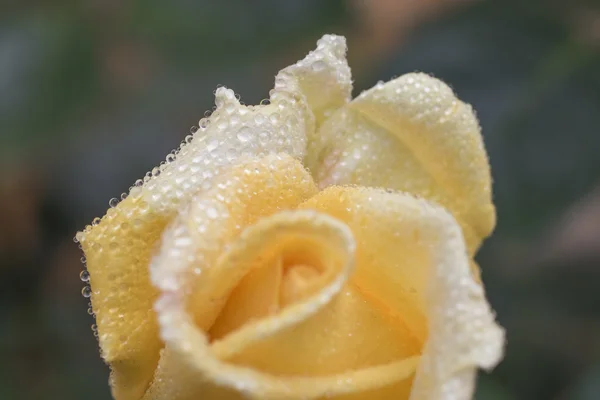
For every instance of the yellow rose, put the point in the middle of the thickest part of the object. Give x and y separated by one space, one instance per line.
231 271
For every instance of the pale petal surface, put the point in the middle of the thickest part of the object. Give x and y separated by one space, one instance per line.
270 356
226 274
223 262
410 134
119 247
411 256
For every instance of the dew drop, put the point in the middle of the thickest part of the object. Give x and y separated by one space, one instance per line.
90 311
204 122
113 202
84 276
319 66
86 292
212 144
212 213
244 135
135 192
265 102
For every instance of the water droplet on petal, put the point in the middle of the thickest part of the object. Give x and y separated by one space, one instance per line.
212 144
204 122
113 202
244 134
84 276
86 292
318 66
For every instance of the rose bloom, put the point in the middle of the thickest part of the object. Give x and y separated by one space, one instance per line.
309 247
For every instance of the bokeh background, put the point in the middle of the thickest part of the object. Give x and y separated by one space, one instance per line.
95 93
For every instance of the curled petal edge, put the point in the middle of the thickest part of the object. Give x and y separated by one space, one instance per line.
192 348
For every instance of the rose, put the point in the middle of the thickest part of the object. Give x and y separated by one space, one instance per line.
232 271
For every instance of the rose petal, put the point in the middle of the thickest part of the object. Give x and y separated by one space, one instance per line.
205 229
346 386
410 134
391 261
323 77
189 365
119 247
344 335
411 253
208 373
118 252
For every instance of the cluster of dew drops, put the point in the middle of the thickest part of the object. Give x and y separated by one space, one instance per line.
84 275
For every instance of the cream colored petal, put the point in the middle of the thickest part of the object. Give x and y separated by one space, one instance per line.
204 247
412 257
118 252
323 77
213 219
191 367
351 333
410 134
313 86
118 248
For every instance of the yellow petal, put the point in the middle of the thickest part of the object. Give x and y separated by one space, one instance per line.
255 296
193 367
391 262
118 249
410 134
118 252
349 333
412 257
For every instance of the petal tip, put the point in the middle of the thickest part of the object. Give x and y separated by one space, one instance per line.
225 96
336 43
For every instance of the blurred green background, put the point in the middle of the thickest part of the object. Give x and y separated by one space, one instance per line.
94 93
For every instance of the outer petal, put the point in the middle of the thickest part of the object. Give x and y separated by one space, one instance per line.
411 134
118 248
412 257
323 77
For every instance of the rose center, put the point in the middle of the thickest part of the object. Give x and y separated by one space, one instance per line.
295 281
287 273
